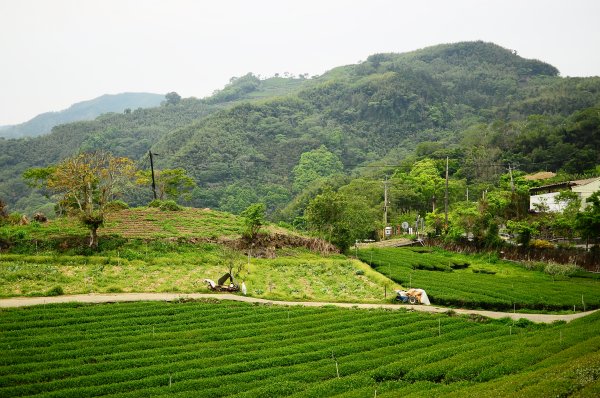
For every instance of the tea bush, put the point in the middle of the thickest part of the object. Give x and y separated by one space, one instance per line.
233 349
494 286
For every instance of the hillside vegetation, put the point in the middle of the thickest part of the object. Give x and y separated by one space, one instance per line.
479 102
198 349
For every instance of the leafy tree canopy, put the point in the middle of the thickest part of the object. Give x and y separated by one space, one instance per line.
314 165
86 184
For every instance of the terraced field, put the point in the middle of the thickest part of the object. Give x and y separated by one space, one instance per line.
177 267
468 282
196 349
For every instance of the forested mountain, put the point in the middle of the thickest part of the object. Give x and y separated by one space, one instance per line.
260 140
85 110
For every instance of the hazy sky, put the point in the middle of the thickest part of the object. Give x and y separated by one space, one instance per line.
54 53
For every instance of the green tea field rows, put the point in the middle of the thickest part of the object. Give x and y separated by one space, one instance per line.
471 282
218 349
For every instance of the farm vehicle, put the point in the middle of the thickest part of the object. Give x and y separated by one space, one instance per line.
222 285
412 296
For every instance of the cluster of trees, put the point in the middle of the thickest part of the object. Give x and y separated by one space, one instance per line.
90 184
345 211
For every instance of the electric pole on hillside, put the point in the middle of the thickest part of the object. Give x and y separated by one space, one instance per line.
512 182
512 188
152 169
385 202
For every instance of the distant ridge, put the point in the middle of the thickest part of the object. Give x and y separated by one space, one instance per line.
85 110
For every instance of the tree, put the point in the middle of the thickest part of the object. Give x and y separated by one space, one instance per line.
172 98
523 229
464 217
340 219
3 213
86 184
171 184
254 218
588 221
564 222
314 165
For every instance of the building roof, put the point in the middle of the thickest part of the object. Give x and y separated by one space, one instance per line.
561 185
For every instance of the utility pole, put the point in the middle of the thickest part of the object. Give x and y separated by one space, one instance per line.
152 169
512 188
385 204
446 196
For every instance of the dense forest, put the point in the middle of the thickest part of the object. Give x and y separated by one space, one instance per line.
285 140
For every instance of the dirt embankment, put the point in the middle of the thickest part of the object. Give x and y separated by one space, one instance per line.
265 245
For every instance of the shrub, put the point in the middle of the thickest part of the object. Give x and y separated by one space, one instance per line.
117 205
40 217
15 218
254 218
561 269
155 203
55 291
541 244
484 271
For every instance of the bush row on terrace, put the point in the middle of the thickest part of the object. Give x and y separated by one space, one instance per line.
485 284
233 349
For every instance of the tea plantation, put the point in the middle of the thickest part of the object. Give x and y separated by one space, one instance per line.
219 349
488 283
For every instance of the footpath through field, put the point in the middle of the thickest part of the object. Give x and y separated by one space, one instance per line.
127 297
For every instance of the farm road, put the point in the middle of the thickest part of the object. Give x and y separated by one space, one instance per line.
128 297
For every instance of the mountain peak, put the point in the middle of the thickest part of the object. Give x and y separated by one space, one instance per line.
84 110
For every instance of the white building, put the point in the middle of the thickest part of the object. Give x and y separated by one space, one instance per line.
544 197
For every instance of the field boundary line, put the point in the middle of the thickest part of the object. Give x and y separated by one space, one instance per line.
99 298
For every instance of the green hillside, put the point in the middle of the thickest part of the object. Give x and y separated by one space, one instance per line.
478 102
85 110
126 134
198 349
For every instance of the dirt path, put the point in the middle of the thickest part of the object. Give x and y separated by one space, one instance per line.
126 297
396 242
